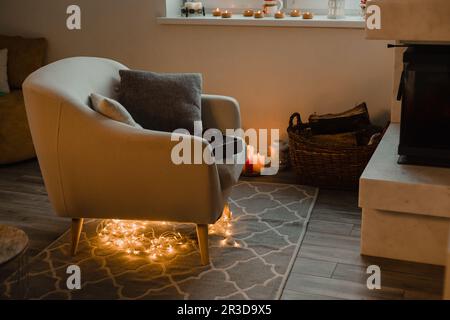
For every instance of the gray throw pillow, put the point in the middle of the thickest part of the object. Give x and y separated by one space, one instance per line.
112 109
162 102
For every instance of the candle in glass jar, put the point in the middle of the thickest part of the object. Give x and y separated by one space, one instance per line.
308 15
249 159
227 14
279 15
256 164
250 151
295 13
248 13
216 12
259 14
262 161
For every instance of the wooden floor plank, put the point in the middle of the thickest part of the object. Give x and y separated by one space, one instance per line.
330 227
337 255
391 279
313 267
339 216
293 295
341 289
331 240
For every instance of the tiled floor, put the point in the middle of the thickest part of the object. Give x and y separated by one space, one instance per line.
328 266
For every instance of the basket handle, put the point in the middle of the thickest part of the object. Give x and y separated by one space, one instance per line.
298 118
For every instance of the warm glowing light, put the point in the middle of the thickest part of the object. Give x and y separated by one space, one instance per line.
255 162
139 238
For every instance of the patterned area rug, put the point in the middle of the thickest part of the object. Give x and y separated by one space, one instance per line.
269 222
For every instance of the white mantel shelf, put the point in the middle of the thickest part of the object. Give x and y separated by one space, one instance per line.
349 22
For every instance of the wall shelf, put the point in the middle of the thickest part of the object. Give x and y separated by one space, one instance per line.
319 21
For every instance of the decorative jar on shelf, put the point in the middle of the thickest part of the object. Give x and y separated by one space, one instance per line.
363 5
271 7
336 9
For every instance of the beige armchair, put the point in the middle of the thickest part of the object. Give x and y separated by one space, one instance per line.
94 167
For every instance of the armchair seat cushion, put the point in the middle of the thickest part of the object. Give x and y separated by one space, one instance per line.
162 102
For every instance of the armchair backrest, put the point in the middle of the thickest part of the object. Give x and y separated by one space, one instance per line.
59 93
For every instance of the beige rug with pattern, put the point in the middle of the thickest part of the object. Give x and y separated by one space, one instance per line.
268 225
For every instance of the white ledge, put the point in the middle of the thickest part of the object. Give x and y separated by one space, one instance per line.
319 21
388 186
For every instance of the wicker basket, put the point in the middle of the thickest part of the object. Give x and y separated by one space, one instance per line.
326 165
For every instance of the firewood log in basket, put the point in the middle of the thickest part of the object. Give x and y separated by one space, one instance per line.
349 121
337 156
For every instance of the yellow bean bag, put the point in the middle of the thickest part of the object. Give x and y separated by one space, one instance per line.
15 138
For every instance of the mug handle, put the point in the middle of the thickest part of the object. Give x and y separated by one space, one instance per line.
281 5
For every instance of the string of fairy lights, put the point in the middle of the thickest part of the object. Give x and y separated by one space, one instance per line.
141 238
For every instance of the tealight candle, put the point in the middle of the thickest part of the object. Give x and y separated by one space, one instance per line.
216 12
227 14
279 15
295 13
248 13
259 14
256 163
308 15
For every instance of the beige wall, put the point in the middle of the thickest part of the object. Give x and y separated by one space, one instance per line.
273 72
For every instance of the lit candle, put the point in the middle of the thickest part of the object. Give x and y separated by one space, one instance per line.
262 161
227 14
308 15
250 150
216 12
279 15
259 14
256 164
248 168
248 13
295 13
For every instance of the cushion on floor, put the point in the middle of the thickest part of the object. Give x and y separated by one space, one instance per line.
24 57
15 138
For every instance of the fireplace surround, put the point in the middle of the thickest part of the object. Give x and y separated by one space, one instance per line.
406 208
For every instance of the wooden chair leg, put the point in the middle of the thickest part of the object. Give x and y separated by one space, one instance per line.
77 225
202 235
227 212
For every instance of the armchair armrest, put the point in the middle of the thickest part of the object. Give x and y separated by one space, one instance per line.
220 112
